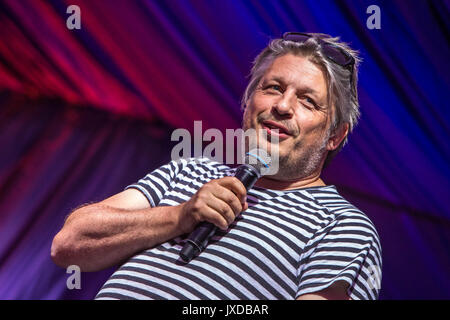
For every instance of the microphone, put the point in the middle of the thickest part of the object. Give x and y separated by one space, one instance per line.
257 163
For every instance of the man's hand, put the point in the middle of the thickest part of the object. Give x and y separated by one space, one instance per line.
218 201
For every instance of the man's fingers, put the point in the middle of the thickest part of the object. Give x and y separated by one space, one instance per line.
213 216
233 184
227 196
224 209
218 201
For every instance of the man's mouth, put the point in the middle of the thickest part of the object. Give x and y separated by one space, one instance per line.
276 129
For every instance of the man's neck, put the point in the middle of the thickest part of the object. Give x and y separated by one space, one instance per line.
268 182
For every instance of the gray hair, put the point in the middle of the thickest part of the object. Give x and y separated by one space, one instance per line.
342 91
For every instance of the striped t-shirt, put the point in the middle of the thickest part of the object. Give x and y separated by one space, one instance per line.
286 244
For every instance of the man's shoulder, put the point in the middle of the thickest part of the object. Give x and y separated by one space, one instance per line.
201 164
329 197
340 208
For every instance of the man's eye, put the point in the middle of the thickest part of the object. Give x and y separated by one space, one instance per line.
274 87
309 102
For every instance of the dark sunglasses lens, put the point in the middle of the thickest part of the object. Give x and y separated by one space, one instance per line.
336 55
296 37
333 53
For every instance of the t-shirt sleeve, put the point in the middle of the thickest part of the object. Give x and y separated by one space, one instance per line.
348 249
155 184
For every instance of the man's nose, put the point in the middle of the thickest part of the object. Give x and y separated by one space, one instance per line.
285 104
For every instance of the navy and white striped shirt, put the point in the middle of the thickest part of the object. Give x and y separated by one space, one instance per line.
286 244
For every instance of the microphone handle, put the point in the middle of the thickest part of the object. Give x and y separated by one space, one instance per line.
199 238
247 175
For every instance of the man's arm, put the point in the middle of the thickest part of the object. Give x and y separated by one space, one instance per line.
337 291
104 234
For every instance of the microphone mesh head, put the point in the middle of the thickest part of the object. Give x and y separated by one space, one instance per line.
258 159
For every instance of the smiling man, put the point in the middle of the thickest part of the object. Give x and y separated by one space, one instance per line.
290 237
292 98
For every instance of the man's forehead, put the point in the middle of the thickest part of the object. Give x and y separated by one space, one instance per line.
297 70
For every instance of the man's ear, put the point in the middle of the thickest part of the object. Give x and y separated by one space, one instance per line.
337 137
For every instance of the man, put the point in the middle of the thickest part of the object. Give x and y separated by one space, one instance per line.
290 237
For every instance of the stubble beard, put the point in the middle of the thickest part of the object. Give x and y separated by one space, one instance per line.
295 165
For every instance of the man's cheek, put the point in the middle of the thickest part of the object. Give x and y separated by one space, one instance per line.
250 119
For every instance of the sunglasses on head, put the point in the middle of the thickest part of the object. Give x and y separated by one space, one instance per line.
331 51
